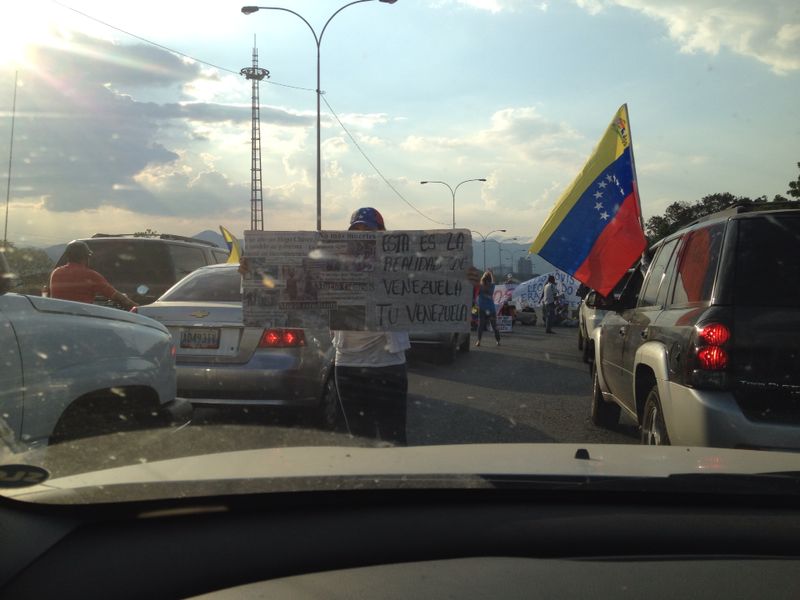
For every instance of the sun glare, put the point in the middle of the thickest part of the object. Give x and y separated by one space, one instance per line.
23 27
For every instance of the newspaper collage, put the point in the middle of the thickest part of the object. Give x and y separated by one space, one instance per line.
359 280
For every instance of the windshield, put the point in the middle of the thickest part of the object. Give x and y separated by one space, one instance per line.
411 219
207 285
768 252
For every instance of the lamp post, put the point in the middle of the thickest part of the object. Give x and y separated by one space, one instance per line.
500 249
248 10
483 237
453 192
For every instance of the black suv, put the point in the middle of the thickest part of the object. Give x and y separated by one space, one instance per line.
703 347
144 267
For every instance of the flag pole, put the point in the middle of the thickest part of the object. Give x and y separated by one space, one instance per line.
10 155
633 168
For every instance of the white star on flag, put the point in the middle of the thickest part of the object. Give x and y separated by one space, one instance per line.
602 185
598 206
598 194
604 215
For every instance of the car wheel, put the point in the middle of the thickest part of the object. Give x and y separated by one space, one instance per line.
330 415
464 347
95 415
654 429
448 352
604 414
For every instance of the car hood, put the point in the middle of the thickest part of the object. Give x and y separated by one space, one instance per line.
305 468
81 309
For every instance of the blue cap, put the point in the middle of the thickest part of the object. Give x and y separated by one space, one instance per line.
367 216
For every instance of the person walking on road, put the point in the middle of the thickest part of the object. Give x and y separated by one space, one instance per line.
549 303
486 308
77 282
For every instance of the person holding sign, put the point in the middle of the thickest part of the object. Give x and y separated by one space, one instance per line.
370 368
486 308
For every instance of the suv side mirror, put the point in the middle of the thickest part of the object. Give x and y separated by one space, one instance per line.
591 299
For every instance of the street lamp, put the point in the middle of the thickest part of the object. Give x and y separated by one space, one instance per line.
484 241
500 251
453 192
248 10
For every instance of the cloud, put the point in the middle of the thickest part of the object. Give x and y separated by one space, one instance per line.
767 31
83 139
492 6
524 136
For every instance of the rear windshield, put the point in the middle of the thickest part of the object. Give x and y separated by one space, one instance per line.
132 262
768 261
208 285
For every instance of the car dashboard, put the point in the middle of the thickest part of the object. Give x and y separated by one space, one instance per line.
406 543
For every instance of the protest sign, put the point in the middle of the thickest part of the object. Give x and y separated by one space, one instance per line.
503 293
505 323
358 280
529 293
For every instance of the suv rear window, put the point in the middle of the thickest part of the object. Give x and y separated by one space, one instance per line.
131 262
186 259
698 257
768 261
210 285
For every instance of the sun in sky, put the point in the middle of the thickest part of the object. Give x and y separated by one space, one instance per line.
24 27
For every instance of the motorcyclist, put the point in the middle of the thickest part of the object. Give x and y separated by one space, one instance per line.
77 282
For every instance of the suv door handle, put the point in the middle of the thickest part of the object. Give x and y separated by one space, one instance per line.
622 331
644 333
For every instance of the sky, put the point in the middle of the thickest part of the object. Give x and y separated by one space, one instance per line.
133 115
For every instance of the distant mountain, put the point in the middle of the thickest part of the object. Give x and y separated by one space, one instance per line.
55 252
211 236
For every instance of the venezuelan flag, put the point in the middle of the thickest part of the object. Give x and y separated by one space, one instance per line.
234 249
594 231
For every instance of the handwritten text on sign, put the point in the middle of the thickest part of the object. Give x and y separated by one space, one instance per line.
359 280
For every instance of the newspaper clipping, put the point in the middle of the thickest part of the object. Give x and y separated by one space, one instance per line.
359 280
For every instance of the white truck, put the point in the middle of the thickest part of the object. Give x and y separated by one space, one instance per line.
69 369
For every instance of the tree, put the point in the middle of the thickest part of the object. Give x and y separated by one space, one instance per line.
679 214
794 186
32 267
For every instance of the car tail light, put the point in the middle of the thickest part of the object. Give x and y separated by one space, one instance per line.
282 338
711 359
714 334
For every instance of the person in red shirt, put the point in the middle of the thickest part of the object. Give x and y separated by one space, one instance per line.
77 282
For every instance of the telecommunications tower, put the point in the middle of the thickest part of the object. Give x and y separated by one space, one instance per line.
256 74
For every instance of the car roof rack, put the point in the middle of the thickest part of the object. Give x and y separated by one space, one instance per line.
748 207
157 236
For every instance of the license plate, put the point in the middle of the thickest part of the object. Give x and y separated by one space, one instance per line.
200 338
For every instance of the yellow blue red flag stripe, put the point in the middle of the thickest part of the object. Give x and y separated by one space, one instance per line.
234 249
594 232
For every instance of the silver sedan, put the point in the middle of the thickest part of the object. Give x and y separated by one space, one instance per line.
220 361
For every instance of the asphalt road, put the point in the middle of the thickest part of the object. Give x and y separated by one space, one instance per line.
531 388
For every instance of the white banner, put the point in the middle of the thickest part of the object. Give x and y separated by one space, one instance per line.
529 292
503 294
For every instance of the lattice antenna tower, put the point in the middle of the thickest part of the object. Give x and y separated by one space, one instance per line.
256 74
